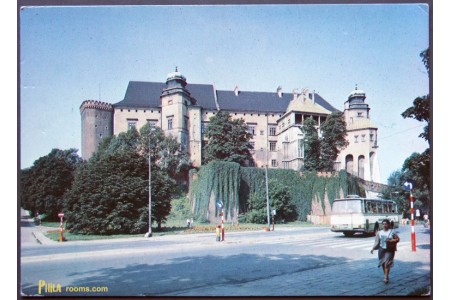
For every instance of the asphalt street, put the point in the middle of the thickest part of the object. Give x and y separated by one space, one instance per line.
309 261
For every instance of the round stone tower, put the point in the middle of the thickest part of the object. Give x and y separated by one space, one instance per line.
96 124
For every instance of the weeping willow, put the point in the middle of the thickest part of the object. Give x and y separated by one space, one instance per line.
233 185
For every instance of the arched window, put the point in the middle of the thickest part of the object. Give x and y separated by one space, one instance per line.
361 166
349 163
371 159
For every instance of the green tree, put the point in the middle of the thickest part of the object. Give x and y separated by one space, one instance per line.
312 145
334 139
169 155
396 192
228 139
280 199
44 184
418 166
421 112
110 194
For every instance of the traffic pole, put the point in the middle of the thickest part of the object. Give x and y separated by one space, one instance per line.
61 237
413 233
223 228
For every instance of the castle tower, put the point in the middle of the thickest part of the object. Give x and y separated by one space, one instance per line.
360 157
96 124
175 103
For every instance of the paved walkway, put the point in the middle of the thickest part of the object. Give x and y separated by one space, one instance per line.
30 234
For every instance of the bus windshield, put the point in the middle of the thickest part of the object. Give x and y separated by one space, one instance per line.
346 207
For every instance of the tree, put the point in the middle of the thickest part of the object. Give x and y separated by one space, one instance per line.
333 140
169 155
228 139
396 192
418 166
280 200
110 194
421 112
45 183
312 145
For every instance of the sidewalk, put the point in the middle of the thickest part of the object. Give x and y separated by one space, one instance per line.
32 234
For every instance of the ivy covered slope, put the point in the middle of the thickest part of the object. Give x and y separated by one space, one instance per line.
235 185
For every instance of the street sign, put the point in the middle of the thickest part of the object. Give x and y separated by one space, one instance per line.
408 185
60 215
219 203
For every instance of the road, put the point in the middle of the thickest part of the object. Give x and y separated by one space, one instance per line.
286 262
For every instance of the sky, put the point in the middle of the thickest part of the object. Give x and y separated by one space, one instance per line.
72 54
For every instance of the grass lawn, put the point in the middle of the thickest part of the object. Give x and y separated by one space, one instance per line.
170 227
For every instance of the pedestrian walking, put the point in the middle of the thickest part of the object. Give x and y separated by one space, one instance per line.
386 242
425 220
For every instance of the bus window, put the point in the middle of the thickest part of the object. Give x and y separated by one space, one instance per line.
354 207
368 208
389 208
379 208
346 207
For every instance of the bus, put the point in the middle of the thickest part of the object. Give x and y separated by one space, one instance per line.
356 214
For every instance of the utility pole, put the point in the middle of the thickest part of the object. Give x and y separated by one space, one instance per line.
149 233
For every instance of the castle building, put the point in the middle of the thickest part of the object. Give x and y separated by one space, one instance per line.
275 120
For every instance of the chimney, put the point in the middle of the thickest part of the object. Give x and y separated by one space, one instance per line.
295 94
236 90
279 91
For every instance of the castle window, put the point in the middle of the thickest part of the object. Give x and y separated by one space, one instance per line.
131 124
274 163
272 130
363 138
371 137
272 146
252 144
301 149
251 129
356 138
152 123
360 115
204 127
261 132
169 123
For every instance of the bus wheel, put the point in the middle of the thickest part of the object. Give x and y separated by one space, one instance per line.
348 233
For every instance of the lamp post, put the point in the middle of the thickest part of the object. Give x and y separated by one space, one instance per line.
267 198
267 192
149 233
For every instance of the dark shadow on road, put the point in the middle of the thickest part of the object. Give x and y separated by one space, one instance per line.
425 247
180 275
